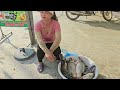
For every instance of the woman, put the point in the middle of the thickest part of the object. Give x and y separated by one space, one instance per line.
48 35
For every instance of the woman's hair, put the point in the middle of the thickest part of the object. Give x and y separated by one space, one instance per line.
54 17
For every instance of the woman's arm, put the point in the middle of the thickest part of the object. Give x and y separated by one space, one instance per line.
56 41
49 55
37 31
41 42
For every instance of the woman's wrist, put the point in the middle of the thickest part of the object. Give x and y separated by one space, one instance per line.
51 50
46 50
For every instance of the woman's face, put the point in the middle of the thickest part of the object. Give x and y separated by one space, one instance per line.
46 15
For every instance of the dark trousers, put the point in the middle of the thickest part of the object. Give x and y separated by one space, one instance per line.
41 54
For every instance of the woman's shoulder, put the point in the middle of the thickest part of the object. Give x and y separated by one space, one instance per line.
56 25
54 22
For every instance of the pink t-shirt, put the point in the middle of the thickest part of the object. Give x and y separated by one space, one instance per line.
50 36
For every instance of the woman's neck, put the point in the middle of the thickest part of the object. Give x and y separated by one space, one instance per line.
47 22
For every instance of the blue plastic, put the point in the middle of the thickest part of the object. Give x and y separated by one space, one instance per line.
67 54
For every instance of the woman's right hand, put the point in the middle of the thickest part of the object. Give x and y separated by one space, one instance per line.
49 55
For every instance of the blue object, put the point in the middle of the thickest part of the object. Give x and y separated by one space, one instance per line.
67 54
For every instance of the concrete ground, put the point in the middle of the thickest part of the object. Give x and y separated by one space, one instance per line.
92 37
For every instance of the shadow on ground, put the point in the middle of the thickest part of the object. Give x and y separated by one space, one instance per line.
103 24
50 68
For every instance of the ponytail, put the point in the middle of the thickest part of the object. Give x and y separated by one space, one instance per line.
54 17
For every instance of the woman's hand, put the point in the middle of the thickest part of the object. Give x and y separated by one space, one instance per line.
49 55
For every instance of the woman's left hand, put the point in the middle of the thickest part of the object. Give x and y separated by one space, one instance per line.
49 55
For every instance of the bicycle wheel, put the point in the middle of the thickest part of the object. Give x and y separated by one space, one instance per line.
71 16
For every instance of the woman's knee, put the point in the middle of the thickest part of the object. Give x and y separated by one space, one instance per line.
57 51
40 54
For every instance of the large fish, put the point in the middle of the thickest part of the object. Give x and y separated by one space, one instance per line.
72 69
80 67
65 71
64 67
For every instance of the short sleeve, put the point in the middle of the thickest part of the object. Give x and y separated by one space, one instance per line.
37 27
57 26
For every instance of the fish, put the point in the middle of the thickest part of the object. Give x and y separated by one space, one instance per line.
65 71
90 69
80 67
88 76
82 64
78 70
72 68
